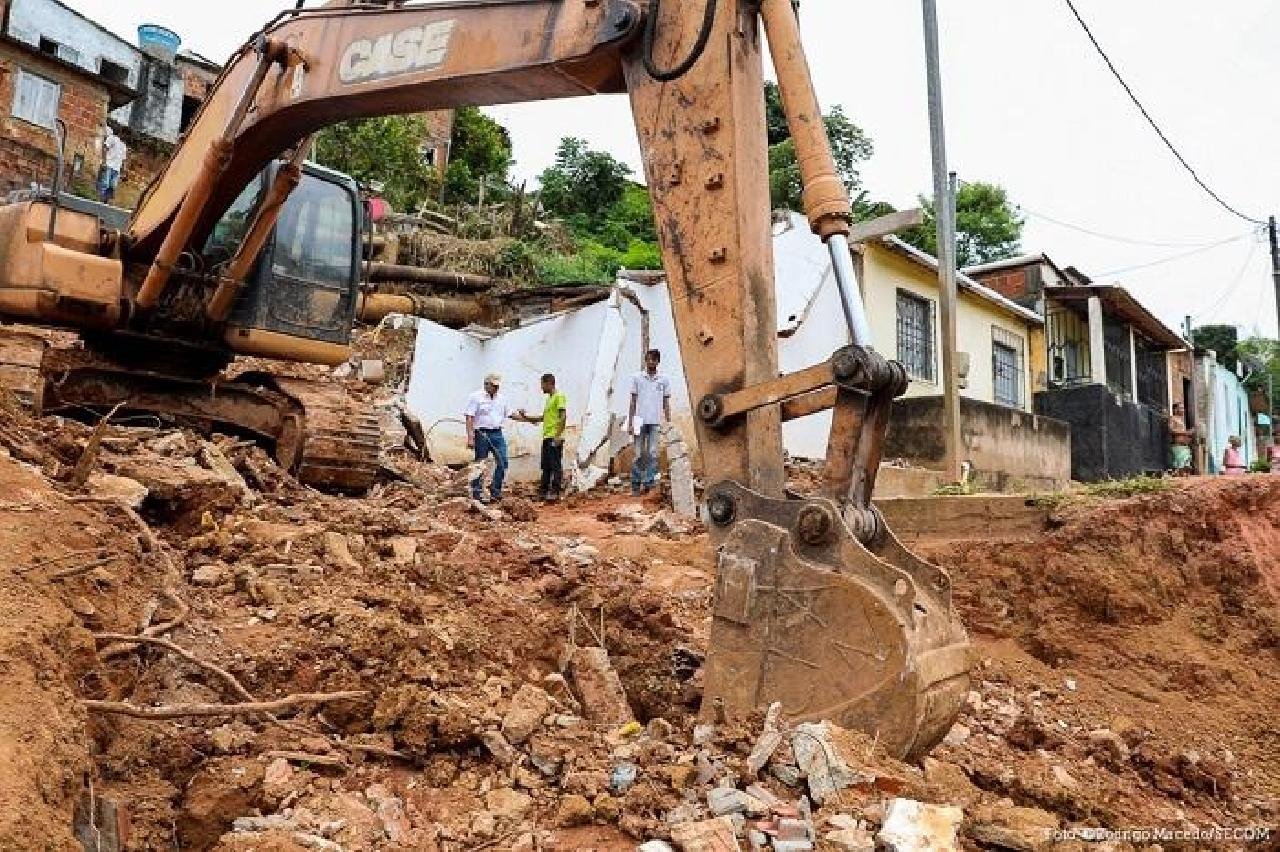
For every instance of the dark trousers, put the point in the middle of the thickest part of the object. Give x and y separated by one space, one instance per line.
552 466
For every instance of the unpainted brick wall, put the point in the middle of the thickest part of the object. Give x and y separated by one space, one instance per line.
27 151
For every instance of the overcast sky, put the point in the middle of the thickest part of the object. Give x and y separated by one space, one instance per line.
1029 105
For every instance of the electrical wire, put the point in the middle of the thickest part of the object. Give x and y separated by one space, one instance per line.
1231 289
1163 138
1102 236
1171 258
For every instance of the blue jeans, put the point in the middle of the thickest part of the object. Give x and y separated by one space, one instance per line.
490 441
108 179
644 470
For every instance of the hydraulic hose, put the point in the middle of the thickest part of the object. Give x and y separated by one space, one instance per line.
650 36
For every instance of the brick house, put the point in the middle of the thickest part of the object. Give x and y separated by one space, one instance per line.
55 63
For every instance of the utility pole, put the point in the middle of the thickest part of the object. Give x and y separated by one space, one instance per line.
945 216
1275 266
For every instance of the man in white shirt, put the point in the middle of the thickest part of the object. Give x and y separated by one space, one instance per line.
486 411
113 154
650 408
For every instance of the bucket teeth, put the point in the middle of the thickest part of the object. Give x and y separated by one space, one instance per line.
865 638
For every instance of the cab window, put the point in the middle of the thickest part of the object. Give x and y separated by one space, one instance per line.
314 235
230 230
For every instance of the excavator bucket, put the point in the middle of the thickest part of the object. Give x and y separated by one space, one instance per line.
805 614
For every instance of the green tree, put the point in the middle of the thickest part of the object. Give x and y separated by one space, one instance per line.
480 148
1222 339
849 147
583 183
988 226
387 150
1261 357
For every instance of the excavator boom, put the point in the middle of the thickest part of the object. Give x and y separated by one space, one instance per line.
816 603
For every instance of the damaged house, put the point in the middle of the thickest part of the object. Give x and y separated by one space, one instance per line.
593 350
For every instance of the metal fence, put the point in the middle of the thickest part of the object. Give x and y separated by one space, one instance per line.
1067 338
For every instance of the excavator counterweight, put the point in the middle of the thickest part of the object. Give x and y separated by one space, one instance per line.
817 605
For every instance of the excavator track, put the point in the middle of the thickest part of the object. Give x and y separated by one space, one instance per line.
21 354
341 440
320 434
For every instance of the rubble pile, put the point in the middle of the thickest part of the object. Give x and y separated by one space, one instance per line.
414 670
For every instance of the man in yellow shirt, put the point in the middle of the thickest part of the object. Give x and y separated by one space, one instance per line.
553 418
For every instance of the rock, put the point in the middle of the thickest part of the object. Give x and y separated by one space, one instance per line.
339 551
820 762
483 825
1029 734
599 689
499 747
131 492
769 740
312 841
682 775
589 784
505 803
794 828
208 575
622 777
911 826
1070 684
792 845
655 846
1108 747
607 808
274 822
957 736
851 840
1064 778
83 607
528 706
973 701
953 781
404 550
277 776
1007 826
659 729
372 371
711 835
582 554
760 793
573 810
722 801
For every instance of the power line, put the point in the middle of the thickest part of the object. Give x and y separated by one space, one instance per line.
1163 138
1231 289
1112 237
1171 258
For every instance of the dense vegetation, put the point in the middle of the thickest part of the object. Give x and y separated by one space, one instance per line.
588 218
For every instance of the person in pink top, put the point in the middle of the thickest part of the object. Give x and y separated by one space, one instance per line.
1232 461
1273 455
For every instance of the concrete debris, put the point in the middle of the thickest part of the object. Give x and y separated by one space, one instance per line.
499 747
851 840
372 371
655 846
722 801
680 468
820 762
338 550
599 689
911 826
529 705
711 835
770 738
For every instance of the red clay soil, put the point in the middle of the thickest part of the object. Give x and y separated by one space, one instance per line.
1154 618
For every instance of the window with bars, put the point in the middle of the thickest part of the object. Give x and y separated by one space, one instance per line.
1008 370
35 99
915 336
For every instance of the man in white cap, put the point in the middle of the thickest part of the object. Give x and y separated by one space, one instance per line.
486 411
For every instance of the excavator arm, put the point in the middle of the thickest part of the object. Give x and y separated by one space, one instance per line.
816 604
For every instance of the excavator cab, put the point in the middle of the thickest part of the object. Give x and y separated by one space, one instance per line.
304 284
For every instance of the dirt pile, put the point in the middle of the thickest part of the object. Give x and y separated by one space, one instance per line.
433 684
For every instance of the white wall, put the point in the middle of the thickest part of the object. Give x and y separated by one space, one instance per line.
594 351
30 19
1229 415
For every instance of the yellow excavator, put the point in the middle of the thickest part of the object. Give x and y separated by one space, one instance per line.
238 248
